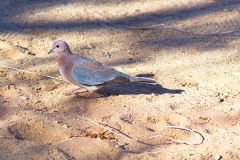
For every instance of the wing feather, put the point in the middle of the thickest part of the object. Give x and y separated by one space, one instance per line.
90 72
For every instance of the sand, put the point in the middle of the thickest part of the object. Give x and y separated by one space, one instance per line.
198 80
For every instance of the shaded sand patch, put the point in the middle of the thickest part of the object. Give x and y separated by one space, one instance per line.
37 131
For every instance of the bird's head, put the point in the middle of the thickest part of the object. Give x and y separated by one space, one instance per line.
60 47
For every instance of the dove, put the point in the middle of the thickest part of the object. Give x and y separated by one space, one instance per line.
88 73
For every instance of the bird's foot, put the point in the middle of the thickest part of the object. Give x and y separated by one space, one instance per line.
70 91
89 95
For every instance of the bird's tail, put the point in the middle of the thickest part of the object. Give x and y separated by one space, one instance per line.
142 79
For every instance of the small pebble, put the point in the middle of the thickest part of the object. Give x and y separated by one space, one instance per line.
65 126
221 100
218 157
23 98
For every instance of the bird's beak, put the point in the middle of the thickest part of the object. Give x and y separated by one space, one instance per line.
52 50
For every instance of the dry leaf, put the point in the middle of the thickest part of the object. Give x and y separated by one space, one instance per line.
100 131
76 135
56 81
226 10
204 118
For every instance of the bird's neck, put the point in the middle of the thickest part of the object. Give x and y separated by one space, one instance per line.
61 60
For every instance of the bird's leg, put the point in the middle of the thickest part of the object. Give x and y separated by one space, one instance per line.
90 89
89 95
71 90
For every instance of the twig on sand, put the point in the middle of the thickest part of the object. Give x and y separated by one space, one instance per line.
150 137
226 33
38 74
175 140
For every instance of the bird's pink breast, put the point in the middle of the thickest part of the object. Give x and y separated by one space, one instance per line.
65 66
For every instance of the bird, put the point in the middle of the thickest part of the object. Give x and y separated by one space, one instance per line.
88 73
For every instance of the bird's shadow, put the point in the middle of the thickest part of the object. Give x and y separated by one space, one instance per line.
135 88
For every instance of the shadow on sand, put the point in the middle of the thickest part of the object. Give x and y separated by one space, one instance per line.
135 88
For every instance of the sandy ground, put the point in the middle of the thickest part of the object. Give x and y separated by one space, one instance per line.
198 80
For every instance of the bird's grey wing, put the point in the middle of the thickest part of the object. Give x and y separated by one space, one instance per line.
90 72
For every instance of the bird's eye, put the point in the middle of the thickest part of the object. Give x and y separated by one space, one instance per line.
57 46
